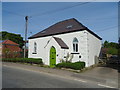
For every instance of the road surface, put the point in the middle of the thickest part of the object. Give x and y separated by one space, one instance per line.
21 78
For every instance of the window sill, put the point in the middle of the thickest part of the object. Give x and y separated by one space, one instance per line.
75 53
34 53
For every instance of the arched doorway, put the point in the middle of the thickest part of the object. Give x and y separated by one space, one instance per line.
52 56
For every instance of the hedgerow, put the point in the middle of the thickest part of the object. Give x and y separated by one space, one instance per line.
24 60
76 65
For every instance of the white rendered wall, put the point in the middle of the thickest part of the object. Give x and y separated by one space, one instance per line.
68 39
94 47
42 51
82 48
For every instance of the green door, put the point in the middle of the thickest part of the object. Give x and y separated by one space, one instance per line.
52 57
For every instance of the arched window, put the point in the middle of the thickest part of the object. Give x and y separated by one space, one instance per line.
35 47
75 45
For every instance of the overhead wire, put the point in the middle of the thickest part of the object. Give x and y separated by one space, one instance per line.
108 28
45 13
13 13
64 8
57 10
60 9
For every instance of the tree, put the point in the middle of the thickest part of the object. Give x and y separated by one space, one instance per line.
110 45
112 51
112 48
13 37
106 44
119 40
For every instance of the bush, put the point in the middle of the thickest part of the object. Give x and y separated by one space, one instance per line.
24 60
77 65
112 51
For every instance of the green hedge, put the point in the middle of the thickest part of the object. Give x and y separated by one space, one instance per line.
76 65
23 60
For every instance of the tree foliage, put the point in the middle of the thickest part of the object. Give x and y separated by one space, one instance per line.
112 51
13 37
112 47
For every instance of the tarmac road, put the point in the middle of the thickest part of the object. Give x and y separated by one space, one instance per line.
20 78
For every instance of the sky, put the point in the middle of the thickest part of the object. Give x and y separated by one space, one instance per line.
99 17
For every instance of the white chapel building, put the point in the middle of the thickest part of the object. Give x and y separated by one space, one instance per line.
65 37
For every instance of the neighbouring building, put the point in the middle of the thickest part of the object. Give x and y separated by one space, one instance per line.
66 37
9 49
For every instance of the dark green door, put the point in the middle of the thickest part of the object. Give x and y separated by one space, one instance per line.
52 57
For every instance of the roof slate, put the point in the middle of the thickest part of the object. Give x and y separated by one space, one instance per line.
61 43
66 26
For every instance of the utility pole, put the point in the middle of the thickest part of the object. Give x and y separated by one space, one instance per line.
26 27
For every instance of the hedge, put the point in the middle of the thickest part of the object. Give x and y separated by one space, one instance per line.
24 60
77 65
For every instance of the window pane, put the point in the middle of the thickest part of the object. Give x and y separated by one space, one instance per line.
76 47
75 40
35 47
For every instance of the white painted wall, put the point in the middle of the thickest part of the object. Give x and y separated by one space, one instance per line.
42 51
94 46
68 39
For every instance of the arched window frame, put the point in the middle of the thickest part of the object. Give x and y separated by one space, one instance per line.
75 45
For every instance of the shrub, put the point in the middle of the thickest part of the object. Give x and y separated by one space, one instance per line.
77 65
24 60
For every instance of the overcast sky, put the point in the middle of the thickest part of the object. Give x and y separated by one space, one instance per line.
101 18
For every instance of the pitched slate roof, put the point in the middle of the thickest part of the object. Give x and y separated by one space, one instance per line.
61 43
66 26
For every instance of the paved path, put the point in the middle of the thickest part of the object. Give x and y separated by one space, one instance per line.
101 76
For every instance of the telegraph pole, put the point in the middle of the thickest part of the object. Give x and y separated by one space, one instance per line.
26 27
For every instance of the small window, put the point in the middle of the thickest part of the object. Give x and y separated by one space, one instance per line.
35 48
75 45
69 26
43 31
